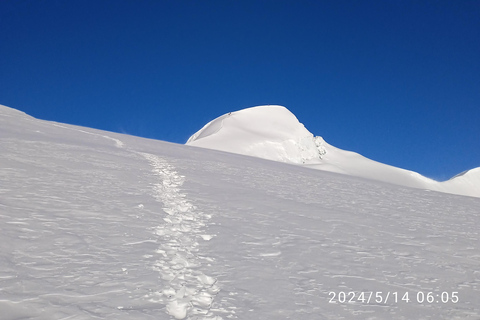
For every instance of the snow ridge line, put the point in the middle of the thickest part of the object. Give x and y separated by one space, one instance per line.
189 293
118 143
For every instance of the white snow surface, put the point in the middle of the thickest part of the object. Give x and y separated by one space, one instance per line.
274 133
99 225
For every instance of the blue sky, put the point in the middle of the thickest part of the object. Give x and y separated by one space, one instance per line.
397 81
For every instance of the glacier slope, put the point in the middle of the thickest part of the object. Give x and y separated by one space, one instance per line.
102 225
274 133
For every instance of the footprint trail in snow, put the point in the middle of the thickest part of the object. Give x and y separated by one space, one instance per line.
190 292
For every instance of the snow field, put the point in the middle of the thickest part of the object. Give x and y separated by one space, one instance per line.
94 229
289 236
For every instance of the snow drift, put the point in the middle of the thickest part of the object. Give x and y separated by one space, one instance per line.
274 133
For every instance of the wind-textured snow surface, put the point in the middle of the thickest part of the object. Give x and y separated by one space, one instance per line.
97 225
273 132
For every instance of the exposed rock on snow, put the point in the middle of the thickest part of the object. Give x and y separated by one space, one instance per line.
274 133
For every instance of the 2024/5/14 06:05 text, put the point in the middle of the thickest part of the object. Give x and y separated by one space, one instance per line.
384 297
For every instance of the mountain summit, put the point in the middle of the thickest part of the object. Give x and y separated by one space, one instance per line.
269 132
273 132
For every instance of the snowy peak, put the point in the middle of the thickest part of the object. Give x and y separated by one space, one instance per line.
274 133
269 132
466 183
468 173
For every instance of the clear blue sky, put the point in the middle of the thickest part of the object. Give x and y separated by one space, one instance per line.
397 81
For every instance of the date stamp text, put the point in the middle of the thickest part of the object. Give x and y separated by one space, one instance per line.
387 297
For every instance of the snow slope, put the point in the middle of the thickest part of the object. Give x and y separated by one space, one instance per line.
274 133
98 225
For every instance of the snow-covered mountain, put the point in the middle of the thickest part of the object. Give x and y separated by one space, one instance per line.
274 133
99 225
